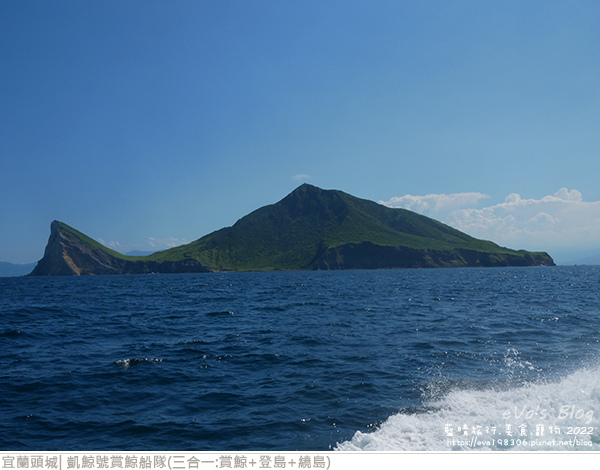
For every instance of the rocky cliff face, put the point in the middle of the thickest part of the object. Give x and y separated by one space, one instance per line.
69 254
370 256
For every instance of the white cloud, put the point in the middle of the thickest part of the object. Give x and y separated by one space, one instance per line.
301 177
163 244
113 245
435 203
563 219
560 221
153 244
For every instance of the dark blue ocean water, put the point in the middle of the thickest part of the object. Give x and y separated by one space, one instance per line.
294 360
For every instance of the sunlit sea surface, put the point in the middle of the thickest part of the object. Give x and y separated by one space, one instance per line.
404 360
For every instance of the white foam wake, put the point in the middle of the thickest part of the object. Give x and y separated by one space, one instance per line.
554 416
125 363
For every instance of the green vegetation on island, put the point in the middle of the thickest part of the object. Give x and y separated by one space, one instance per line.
311 228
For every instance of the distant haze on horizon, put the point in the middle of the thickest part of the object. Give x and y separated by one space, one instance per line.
146 125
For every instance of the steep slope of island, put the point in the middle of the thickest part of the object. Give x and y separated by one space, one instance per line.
70 252
311 228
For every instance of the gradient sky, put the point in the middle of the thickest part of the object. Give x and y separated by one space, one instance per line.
147 124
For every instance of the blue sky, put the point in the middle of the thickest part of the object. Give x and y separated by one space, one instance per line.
147 124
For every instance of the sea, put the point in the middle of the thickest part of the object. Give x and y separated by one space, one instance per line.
464 359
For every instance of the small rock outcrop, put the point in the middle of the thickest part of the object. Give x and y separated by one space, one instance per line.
69 252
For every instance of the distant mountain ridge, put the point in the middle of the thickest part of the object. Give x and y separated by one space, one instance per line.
12 270
139 253
310 228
